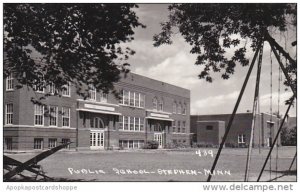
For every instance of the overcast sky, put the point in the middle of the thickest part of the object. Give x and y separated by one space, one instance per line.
174 64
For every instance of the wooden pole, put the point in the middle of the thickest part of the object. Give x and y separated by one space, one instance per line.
255 103
234 112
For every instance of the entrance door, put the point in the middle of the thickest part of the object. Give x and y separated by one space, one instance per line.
96 139
159 138
269 141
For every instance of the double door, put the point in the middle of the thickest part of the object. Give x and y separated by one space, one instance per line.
159 138
96 139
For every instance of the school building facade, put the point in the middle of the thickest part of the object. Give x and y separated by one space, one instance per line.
208 130
148 110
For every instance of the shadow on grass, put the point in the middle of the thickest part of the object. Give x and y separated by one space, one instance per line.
284 173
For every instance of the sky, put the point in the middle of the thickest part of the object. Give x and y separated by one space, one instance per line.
174 64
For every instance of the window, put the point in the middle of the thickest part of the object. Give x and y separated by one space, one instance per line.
142 100
38 143
121 96
121 123
174 126
209 127
175 107
241 138
131 98
131 120
103 97
66 90
126 97
184 109
52 143
183 127
38 114
97 123
136 123
131 123
154 101
8 143
9 114
92 93
52 89
178 127
38 88
130 144
64 141
53 116
135 144
66 117
126 122
270 125
136 99
142 124
161 106
179 107
9 83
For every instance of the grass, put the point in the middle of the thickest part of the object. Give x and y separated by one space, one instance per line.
163 161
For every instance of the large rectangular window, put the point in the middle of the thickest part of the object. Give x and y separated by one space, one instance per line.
131 100
64 141
183 127
174 126
136 99
184 109
92 93
9 83
131 144
142 124
178 127
126 97
142 100
174 107
241 138
9 114
103 97
8 143
131 123
126 122
53 116
66 117
66 90
38 114
52 143
136 123
38 88
121 97
179 108
52 89
121 123
38 143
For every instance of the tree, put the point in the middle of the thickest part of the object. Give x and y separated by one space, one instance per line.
215 29
59 43
289 136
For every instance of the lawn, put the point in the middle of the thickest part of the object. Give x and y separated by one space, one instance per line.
162 165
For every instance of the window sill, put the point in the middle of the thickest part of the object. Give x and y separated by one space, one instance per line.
123 105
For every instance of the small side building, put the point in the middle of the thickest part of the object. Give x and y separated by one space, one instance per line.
209 129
